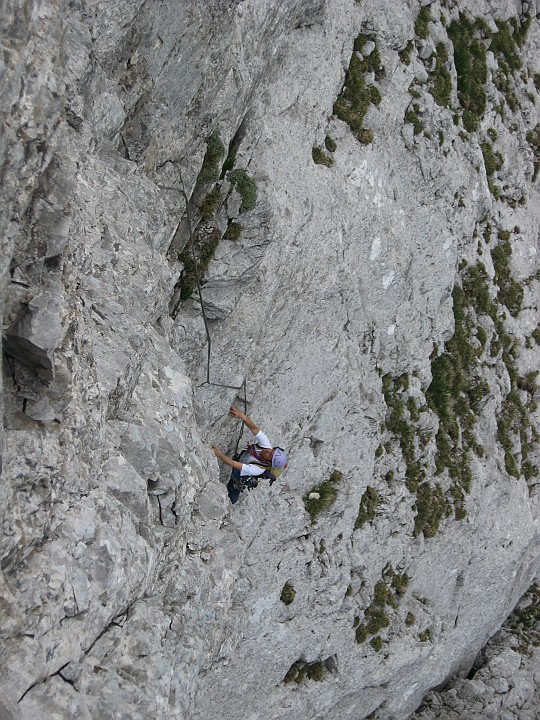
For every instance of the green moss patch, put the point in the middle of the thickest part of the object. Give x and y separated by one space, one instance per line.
471 68
211 165
386 594
205 246
441 83
456 390
301 671
288 593
368 507
402 428
533 138
510 291
330 144
405 54
412 116
432 506
421 24
210 203
506 43
324 496
453 394
493 161
410 619
246 187
233 231
321 158
525 619
356 97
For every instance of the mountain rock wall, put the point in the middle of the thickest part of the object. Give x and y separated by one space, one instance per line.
365 219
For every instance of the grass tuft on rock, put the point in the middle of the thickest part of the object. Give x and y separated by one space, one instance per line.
510 291
205 247
210 168
412 117
300 671
442 80
323 496
246 187
288 593
432 506
368 507
471 68
233 231
355 97
493 161
321 158
421 24
330 144
210 203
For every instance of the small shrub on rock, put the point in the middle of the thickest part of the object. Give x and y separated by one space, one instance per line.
330 144
368 507
246 187
210 168
321 158
323 496
210 204
301 670
493 161
288 594
233 231
421 24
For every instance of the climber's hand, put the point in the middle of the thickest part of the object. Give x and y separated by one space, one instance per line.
236 413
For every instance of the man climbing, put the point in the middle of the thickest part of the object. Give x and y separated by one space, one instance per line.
258 460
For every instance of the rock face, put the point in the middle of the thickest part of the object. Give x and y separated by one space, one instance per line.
365 214
503 682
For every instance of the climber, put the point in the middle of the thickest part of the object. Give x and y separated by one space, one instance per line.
258 460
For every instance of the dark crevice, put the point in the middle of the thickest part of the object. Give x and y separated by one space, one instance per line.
115 622
75 599
122 147
160 511
67 680
11 363
40 682
13 372
234 146
477 665
173 510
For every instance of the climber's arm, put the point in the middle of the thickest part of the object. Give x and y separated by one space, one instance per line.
236 413
226 459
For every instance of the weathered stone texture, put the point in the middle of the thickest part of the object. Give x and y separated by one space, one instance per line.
130 587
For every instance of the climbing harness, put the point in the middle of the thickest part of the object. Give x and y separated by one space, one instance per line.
203 308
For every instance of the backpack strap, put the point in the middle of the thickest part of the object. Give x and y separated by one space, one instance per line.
255 452
260 462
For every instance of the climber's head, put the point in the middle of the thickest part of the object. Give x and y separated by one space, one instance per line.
279 458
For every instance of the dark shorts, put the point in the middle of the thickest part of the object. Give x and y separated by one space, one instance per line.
233 486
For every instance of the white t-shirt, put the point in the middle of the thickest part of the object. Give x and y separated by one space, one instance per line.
262 441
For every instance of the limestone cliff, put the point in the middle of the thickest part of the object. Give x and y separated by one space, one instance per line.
365 208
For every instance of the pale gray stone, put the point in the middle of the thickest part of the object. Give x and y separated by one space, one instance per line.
130 586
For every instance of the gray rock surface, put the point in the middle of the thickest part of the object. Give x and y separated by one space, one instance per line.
130 587
504 681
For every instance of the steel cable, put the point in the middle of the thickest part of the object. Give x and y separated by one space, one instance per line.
203 308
